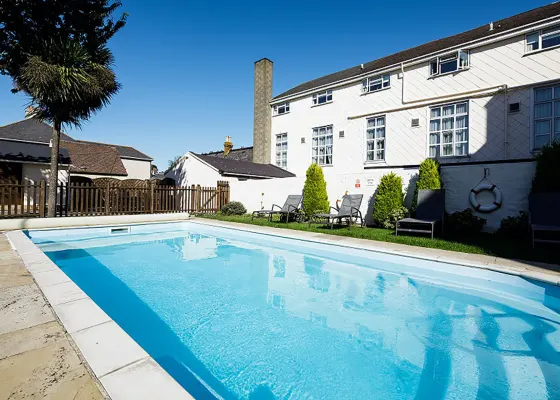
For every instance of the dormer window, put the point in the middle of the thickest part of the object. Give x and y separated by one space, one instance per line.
322 98
375 83
280 109
543 39
449 63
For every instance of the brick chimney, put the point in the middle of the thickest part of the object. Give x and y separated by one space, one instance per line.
228 145
262 114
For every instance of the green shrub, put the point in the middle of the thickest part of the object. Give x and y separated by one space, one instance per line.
234 208
547 175
428 178
394 216
315 198
389 197
515 227
463 223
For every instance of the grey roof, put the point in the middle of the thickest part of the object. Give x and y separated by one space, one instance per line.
30 130
29 152
481 32
240 154
227 166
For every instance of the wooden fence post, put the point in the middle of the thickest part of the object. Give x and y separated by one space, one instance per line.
107 194
193 198
219 202
42 193
198 198
152 184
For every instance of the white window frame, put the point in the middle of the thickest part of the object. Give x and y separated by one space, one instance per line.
384 80
282 150
281 109
318 133
541 34
454 142
456 56
553 117
326 94
380 125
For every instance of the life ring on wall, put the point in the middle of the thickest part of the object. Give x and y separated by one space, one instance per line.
490 187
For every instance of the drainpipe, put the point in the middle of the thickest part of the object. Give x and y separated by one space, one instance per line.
402 83
506 122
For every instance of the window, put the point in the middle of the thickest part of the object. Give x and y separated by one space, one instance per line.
449 131
375 138
448 63
282 150
546 114
280 109
375 83
322 145
322 98
543 39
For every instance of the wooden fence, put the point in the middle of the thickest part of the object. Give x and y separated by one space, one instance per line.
86 199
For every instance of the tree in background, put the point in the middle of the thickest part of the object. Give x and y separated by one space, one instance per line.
55 52
389 197
315 198
172 163
547 175
428 178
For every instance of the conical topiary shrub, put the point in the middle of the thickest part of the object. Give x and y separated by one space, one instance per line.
315 198
389 197
547 174
428 178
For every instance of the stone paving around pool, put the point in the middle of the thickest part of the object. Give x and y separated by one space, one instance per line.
37 359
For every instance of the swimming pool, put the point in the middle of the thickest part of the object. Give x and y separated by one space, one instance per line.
234 314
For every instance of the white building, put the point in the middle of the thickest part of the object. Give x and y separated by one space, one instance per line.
488 98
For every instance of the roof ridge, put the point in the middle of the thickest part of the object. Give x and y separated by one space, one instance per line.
234 149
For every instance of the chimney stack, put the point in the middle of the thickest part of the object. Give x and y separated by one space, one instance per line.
228 145
262 124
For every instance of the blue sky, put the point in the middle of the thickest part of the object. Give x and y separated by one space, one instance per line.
187 66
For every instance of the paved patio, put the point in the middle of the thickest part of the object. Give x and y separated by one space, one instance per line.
37 359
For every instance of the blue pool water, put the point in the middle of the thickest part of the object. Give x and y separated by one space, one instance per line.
246 316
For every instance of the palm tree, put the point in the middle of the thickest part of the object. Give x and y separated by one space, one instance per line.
55 52
66 84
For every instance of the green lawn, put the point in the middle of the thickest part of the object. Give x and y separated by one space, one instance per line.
483 243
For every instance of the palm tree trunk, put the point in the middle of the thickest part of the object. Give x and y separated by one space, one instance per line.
53 176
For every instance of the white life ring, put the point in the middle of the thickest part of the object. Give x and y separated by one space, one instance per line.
490 187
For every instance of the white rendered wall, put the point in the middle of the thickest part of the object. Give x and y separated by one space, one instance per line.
191 171
513 180
137 169
35 173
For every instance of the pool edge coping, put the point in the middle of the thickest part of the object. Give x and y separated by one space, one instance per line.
527 271
28 252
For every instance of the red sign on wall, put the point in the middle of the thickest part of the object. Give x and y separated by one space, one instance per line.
357 183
